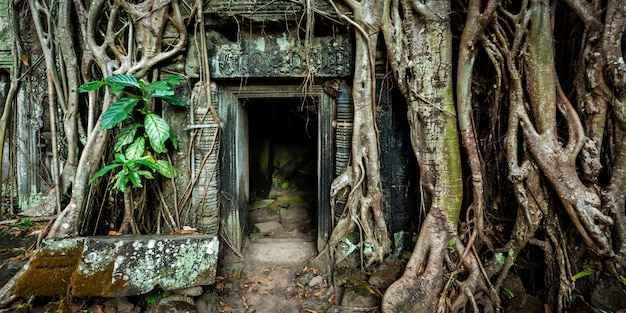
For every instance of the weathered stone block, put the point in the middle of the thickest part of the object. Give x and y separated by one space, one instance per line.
266 227
121 266
297 213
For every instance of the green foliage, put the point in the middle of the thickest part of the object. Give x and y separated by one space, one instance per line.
134 159
582 274
622 279
451 246
154 299
508 293
26 223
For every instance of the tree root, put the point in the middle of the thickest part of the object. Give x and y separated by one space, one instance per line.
419 287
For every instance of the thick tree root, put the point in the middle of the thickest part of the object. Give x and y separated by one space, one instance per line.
419 287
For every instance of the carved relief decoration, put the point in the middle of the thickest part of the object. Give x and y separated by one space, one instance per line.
278 56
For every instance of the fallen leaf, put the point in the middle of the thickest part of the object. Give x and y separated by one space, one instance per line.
318 294
114 233
223 303
245 303
188 232
332 297
266 279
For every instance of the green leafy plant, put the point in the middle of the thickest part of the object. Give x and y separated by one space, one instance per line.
622 279
135 159
26 223
142 135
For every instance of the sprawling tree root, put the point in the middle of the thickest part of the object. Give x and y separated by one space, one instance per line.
556 160
599 86
419 287
362 177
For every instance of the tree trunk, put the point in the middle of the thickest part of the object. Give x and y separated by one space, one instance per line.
427 85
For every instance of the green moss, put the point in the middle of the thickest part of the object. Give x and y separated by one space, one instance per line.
57 266
94 282
293 200
34 199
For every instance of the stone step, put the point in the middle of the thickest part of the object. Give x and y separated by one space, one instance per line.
280 250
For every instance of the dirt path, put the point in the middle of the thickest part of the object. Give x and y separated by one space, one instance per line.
265 280
274 255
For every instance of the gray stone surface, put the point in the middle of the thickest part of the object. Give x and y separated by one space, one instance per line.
280 250
189 292
264 215
316 281
133 265
175 304
266 227
296 213
277 55
260 204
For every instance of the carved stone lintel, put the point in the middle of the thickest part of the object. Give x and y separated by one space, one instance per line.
278 55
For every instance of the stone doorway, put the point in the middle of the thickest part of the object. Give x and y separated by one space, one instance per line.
252 118
283 164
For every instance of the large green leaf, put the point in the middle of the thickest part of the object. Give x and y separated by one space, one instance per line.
136 149
103 171
159 88
126 136
122 178
171 99
146 174
86 87
123 80
120 158
165 168
174 139
135 179
145 162
117 112
158 132
174 80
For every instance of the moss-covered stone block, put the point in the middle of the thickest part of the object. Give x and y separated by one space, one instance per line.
49 273
120 266
171 262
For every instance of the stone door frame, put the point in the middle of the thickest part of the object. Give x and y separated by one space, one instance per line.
234 155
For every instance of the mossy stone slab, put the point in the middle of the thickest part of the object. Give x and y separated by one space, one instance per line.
122 266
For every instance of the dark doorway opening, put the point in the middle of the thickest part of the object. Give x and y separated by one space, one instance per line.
283 165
